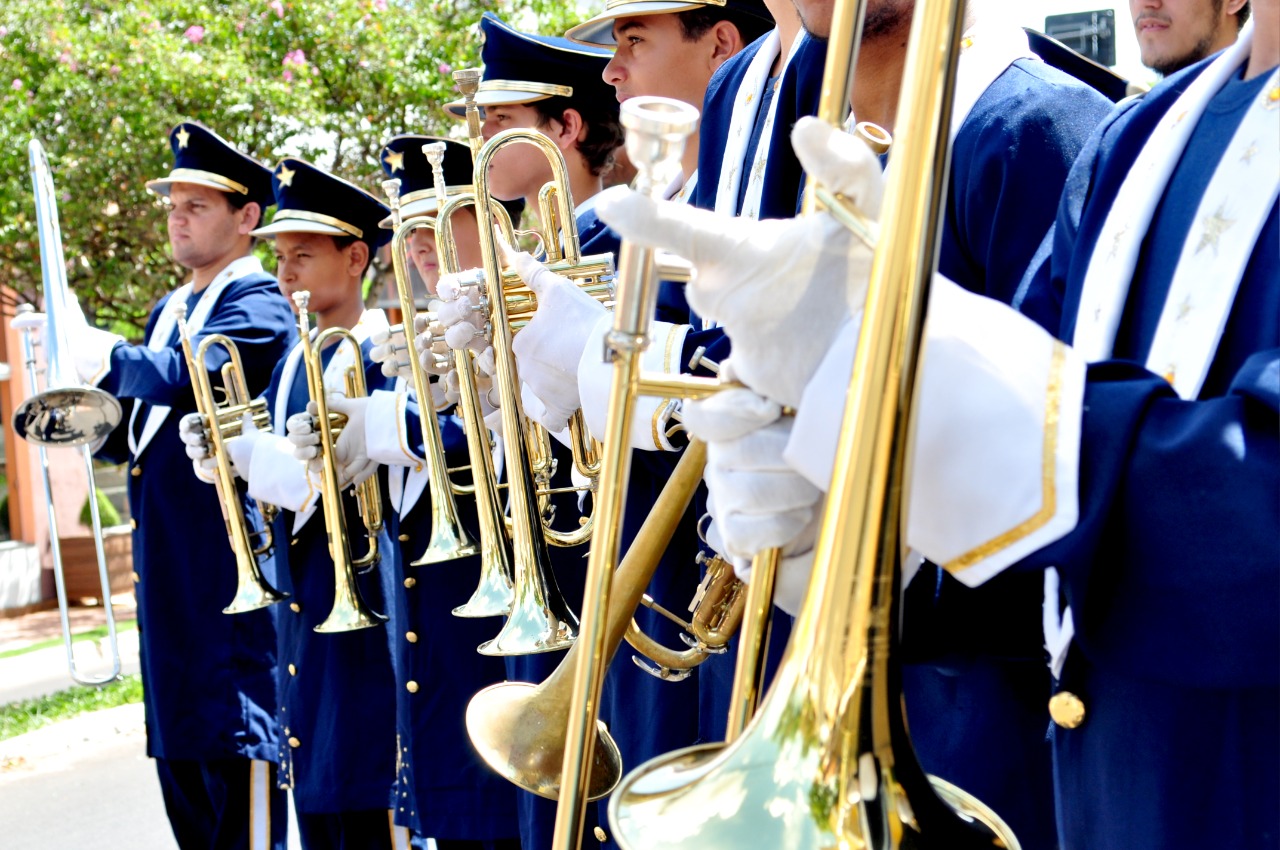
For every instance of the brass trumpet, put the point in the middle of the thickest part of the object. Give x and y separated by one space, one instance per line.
350 612
224 422
449 539
827 762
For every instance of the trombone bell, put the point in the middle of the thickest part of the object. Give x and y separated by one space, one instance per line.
67 416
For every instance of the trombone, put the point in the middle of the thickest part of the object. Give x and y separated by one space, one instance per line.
223 422
66 413
827 761
350 612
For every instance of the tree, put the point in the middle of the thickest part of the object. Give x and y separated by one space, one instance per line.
101 84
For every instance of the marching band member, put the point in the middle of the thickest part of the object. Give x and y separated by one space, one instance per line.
208 686
1018 125
1174 35
443 790
335 690
1031 452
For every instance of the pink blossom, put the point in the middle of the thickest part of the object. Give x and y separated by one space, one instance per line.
363 63
17 84
295 57
277 7
4 31
240 26
446 68
114 70
67 59
379 5
288 75
194 34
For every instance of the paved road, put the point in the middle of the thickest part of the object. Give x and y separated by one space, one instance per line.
84 782
44 671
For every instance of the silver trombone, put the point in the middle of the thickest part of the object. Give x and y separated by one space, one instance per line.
66 413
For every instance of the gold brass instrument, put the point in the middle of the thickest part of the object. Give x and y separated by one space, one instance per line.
827 761
449 539
518 728
496 589
66 412
224 422
349 611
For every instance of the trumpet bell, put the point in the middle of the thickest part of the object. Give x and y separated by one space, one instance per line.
520 734
67 416
252 595
494 593
534 624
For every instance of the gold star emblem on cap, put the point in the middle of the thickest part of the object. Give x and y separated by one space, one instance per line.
183 137
285 175
394 160
1214 226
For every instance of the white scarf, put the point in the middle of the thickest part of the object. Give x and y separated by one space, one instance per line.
371 321
1230 217
167 322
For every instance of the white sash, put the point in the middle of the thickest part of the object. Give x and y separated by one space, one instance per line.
1229 218
167 322
371 321
746 106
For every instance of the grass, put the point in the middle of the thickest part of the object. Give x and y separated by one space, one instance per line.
90 634
20 717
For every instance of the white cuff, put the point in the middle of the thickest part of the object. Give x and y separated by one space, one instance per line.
277 477
595 378
997 434
386 430
92 349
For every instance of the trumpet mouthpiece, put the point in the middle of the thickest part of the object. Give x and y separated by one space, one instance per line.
391 188
468 80
302 299
657 128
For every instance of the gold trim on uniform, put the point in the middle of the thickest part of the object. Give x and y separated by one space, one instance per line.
1048 474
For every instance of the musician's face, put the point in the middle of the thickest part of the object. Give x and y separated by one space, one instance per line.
1173 34
882 16
651 47
314 262
203 226
422 248
516 171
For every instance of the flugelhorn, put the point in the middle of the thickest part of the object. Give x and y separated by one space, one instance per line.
224 422
827 761
449 539
350 612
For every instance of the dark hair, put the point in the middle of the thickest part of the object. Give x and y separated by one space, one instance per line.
238 201
604 133
1242 17
697 22
342 243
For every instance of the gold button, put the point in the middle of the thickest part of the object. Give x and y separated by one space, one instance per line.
133 523
295 607
412 637
293 542
136 471
601 835
1067 710
411 687
403 538
136 578
293 671
410 582
295 743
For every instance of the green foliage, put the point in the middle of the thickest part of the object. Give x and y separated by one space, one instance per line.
107 512
21 717
101 83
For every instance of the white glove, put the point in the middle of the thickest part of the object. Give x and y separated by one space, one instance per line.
791 580
428 344
350 452
240 449
758 501
549 347
392 351
780 288
194 436
458 311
